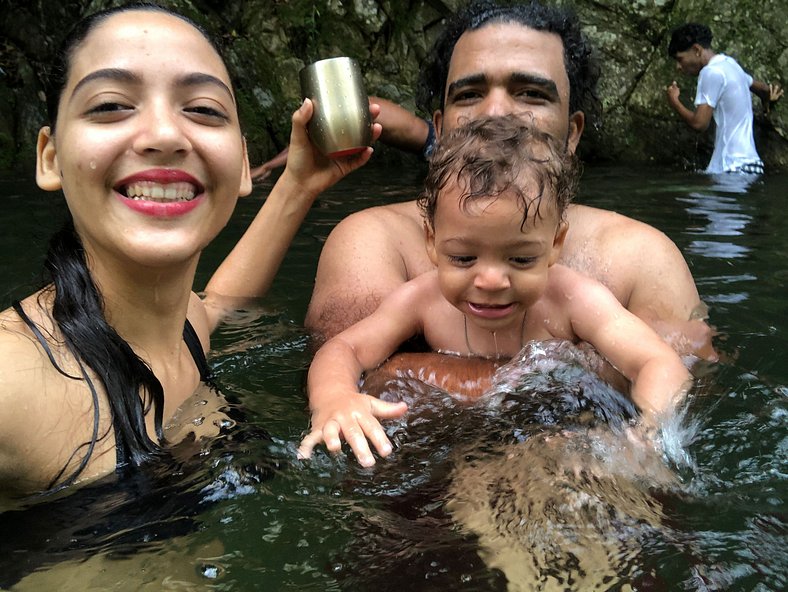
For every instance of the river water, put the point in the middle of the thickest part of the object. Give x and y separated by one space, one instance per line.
540 486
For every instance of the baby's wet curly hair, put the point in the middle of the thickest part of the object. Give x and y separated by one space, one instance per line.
493 156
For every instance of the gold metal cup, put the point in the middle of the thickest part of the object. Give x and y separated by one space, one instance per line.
341 124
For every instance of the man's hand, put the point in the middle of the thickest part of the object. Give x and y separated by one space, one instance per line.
354 417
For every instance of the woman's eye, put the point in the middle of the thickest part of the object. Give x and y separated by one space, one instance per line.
108 108
208 112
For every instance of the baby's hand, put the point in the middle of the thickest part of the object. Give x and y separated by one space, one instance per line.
355 418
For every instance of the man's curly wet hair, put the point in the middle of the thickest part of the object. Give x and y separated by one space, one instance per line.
581 66
493 156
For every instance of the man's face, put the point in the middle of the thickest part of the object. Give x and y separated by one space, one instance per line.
689 61
507 68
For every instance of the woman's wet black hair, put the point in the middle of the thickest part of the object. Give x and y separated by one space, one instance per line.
78 311
581 66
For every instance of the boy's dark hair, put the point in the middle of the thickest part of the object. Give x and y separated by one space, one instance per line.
493 156
581 66
685 36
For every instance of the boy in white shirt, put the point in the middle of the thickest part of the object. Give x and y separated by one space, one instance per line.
724 92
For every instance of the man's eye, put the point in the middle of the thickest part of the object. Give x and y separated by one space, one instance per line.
533 94
466 95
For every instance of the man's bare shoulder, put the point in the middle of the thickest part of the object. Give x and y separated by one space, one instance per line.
587 220
366 256
605 244
640 264
390 218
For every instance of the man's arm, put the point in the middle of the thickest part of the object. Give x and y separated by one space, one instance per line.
699 119
401 128
363 260
259 173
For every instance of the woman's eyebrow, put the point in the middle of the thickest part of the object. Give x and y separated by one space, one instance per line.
127 76
200 78
118 74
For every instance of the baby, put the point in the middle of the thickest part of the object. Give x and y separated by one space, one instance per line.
493 209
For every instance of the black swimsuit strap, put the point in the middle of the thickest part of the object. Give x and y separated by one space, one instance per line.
121 454
120 449
198 355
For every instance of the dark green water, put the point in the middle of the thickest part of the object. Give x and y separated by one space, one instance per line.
228 521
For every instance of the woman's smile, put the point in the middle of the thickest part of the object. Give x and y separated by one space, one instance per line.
161 192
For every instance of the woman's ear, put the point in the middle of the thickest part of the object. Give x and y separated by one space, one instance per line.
429 241
558 241
246 174
47 169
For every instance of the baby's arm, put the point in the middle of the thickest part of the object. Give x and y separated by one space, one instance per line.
657 375
339 410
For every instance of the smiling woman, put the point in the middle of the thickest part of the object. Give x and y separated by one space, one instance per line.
144 142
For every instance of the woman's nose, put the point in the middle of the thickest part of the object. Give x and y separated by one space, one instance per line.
161 130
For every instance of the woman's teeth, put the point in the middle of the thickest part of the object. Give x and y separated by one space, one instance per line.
150 191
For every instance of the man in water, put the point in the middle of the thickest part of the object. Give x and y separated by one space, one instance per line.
724 92
493 60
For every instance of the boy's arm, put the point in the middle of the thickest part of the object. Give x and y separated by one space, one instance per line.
656 372
699 119
339 410
768 93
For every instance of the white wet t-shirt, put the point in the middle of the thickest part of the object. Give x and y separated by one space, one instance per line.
725 87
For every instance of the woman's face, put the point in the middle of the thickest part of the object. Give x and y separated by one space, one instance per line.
147 146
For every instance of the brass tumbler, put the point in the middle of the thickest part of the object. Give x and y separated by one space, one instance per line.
341 124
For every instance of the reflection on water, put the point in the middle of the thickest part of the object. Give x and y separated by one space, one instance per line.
540 482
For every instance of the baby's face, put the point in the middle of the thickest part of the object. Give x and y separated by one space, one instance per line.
491 266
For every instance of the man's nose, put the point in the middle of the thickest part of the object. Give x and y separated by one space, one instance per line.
498 102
